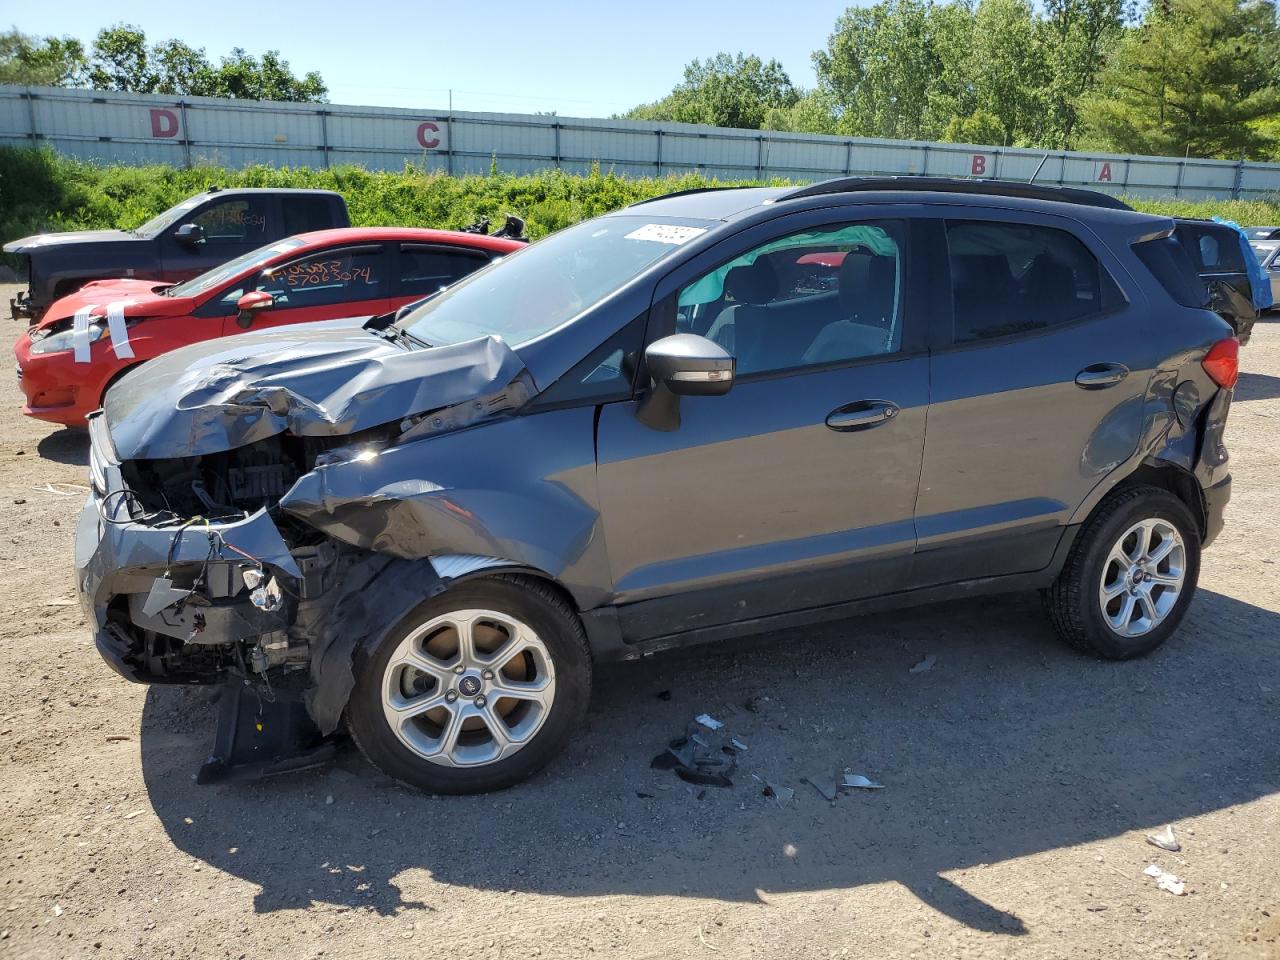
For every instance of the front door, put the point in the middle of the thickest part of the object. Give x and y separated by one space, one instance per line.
795 490
1040 366
232 225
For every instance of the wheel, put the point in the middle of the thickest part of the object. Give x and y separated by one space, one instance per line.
1129 576
475 689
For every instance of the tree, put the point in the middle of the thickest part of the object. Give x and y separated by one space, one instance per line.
725 91
1078 36
40 61
979 127
1196 77
122 60
811 113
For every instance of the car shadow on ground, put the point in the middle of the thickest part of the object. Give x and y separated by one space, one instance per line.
1009 745
66 446
1256 386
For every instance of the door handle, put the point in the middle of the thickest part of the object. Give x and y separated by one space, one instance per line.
1096 376
861 415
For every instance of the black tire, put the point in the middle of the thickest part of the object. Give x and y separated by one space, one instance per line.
524 598
1072 600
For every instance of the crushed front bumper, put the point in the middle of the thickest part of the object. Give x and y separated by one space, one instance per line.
123 563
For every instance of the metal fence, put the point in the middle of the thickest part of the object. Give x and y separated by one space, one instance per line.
145 128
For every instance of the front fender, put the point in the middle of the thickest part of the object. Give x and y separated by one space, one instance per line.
522 488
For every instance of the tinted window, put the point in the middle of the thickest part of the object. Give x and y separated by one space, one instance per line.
336 276
818 296
1217 249
607 373
234 220
1009 278
303 214
425 269
1170 264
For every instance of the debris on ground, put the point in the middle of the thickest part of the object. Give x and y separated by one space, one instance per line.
663 694
857 781
783 795
1165 881
703 755
924 665
1165 840
825 784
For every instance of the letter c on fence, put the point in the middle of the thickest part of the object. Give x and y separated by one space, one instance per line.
423 129
979 166
164 123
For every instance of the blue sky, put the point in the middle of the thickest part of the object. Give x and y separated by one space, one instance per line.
577 59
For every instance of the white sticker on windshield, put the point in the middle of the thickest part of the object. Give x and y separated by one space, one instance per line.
665 233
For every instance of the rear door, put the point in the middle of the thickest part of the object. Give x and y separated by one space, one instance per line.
232 225
794 490
422 269
351 281
1041 360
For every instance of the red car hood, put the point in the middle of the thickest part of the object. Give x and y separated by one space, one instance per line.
143 298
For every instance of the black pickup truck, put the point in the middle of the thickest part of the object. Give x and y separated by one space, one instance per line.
184 241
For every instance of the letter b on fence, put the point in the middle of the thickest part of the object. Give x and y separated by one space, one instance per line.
164 123
978 166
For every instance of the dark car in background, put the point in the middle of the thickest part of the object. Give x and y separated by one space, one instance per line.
703 416
203 231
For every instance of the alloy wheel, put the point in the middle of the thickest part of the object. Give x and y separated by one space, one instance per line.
1143 575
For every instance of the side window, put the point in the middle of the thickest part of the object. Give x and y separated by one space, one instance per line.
235 220
303 213
335 276
1009 278
607 373
425 269
819 296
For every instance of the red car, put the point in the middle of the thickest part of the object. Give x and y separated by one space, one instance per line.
87 340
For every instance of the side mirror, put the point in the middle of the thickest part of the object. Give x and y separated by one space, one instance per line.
691 366
683 365
190 235
251 304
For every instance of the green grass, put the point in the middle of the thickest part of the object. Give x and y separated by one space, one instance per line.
42 191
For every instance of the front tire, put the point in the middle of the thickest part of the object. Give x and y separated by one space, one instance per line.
475 689
1130 575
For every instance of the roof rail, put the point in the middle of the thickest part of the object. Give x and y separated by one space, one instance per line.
997 188
685 193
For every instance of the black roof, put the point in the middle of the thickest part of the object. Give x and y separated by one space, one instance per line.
996 188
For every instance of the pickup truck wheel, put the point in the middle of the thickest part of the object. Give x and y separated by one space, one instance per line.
1129 576
475 689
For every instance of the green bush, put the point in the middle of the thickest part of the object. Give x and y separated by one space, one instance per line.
41 191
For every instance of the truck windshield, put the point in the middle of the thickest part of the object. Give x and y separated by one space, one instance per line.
549 283
232 268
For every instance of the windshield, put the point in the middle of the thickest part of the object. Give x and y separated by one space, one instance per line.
548 283
1264 250
171 216
246 261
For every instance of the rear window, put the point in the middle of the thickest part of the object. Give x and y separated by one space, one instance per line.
1213 248
1170 264
304 214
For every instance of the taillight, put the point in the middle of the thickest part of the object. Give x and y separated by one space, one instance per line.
1222 362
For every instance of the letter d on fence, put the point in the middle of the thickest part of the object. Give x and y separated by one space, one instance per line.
429 143
164 123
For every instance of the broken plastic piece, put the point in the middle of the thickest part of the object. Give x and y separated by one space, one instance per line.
708 721
825 784
1166 881
852 780
1165 840
783 795
924 665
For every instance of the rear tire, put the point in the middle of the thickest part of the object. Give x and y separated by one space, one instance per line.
1129 577
475 689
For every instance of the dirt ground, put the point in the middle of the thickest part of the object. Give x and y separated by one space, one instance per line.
1021 780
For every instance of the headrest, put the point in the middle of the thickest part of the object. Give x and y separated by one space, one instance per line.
756 283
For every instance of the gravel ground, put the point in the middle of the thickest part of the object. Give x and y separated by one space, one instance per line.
1021 780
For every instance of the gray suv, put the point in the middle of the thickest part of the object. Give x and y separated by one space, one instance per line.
706 415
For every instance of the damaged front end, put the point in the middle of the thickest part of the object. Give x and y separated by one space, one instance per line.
190 567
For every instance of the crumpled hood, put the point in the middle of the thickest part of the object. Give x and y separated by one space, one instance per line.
315 379
40 240
142 298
